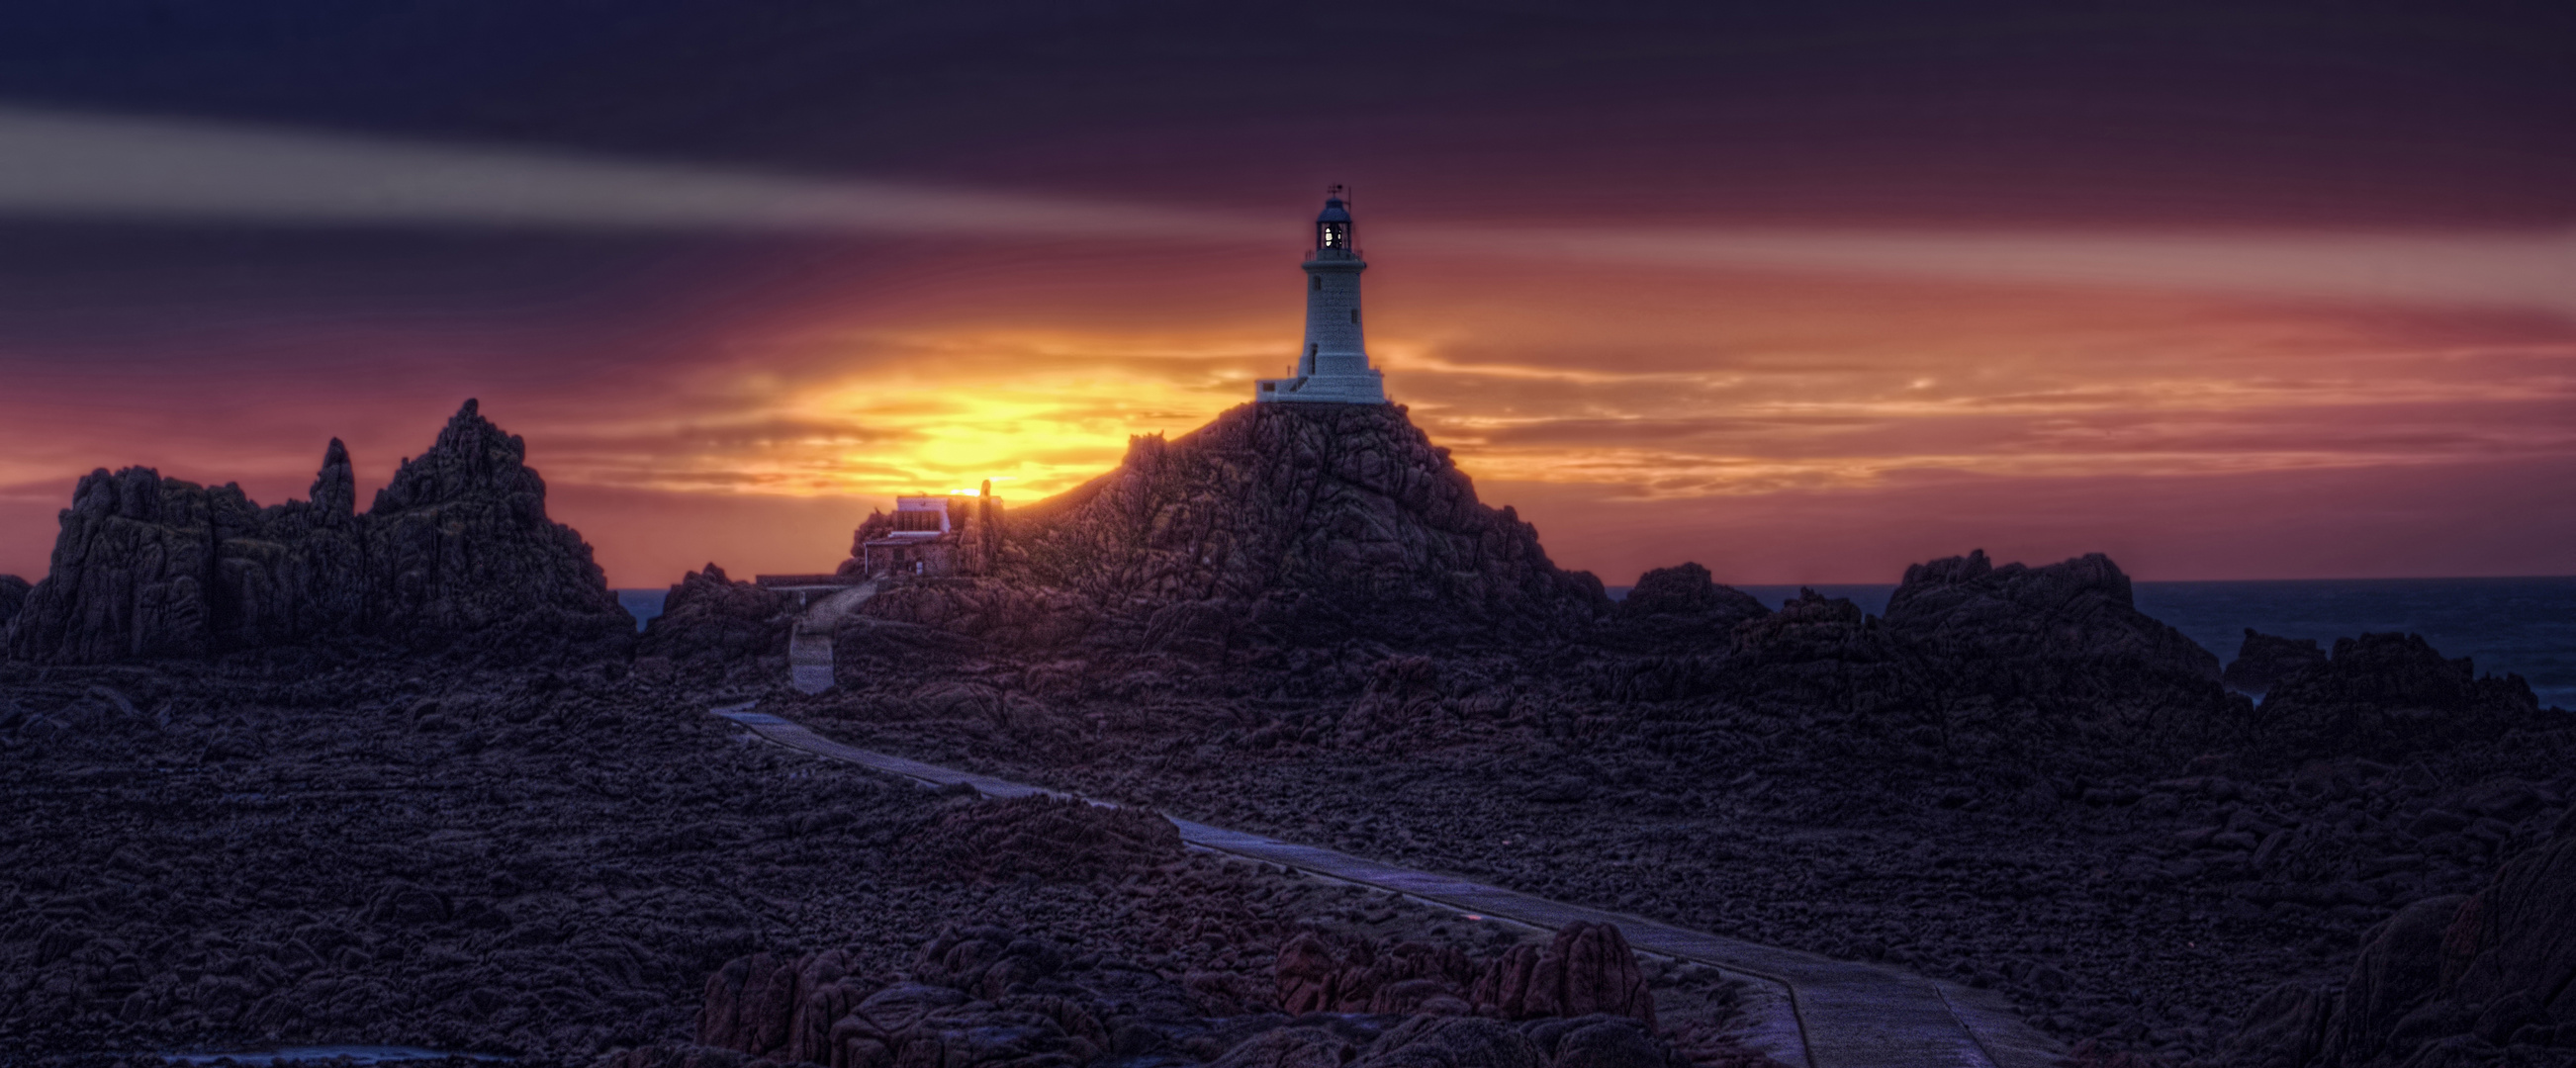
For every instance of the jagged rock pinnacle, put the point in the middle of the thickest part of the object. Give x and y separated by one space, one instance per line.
456 548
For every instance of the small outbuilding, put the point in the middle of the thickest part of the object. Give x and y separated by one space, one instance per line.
931 535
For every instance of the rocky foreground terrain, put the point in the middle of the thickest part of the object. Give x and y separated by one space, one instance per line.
526 836
562 867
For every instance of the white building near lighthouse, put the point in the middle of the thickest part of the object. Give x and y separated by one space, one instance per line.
1334 367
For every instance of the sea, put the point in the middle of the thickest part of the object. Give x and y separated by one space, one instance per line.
2522 625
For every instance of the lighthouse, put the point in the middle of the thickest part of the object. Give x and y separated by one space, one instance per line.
1333 368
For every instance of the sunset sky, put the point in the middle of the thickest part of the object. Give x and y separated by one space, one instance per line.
1804 293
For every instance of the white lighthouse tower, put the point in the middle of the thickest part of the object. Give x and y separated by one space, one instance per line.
1334 367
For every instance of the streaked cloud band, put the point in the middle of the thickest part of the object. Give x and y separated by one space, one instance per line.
67 165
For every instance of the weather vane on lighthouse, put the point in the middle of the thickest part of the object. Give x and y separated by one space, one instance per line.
1334 368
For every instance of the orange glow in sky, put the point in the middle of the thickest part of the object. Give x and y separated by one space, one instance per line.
1780 427
1802 295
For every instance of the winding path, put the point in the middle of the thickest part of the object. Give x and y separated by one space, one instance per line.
1840 1014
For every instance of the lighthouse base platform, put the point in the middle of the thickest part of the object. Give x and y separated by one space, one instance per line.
1369 388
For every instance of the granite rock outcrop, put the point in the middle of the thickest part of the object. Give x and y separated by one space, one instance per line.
1047 837
2485 979
2386 696
13 596
1674 607
2263 660
2078 610
992 996
1302 523
707 617
456 551
1586 970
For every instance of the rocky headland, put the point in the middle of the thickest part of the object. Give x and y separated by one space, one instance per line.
455 552
1279 524
398 776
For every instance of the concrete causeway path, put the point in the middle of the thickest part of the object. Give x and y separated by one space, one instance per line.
1842 1014
809 639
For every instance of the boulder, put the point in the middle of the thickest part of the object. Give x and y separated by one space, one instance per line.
1399 978
1452 1042
2264 660
2398 971
750 1003
777 1006
1289 1047
2514 943
987 963
913 1024
1311 977
2283 1029
1601 1042
457 549
1587 969
2448 980
689 1056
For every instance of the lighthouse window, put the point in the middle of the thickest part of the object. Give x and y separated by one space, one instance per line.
1355 315
1318 281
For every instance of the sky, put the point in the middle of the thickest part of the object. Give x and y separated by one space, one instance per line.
1804 293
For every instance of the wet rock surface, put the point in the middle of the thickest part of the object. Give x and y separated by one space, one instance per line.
455 552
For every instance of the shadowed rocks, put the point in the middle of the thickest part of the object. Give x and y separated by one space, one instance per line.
1302 523
2386 696
1677 606
2488 979
1046 838
1587 970
708 618
457 549
2076 610
13 596
550 864
990 996
2264 660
